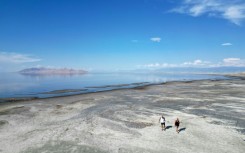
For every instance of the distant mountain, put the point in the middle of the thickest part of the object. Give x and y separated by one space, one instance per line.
51 71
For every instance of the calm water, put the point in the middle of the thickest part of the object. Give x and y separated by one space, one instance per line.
17 85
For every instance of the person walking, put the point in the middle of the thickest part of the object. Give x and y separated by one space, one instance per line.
177 123
162 121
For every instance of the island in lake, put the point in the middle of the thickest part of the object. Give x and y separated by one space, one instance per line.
51 71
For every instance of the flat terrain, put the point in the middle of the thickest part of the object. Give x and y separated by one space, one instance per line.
212 115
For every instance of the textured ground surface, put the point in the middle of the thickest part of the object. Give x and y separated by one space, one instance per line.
212 115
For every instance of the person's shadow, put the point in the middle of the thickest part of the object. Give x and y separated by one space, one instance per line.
168 127
182 129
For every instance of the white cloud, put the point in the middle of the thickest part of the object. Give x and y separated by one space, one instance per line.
233 62
156 65
156 39
197 10
234 11
16 58
226 44
197 62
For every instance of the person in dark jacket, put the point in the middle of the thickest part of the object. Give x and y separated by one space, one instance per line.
177 123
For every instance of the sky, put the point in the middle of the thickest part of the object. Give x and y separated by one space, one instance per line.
121 34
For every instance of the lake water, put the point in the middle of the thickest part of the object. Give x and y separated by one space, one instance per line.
18 85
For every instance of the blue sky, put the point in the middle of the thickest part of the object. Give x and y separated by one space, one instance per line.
121 34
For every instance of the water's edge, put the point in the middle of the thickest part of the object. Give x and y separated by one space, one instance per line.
105 88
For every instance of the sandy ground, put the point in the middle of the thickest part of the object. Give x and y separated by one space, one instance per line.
212 115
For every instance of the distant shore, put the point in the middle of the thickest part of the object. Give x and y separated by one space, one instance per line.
126 120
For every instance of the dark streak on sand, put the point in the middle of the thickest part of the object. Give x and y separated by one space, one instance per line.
14 110
3 122
119 85
137 125
17 99
64 91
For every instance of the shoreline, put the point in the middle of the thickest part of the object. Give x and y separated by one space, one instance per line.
120 87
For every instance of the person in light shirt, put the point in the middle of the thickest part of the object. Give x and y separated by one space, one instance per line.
162 121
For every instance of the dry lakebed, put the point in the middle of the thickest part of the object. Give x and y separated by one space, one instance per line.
211 113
